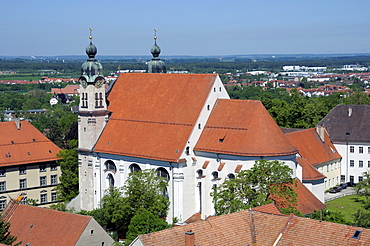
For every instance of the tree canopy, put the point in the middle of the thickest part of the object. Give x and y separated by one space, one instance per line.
140 205
5 236
265 182
68 185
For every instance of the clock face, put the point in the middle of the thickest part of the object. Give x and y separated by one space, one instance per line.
99 83
83 82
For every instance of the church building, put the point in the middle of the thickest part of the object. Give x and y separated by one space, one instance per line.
185 126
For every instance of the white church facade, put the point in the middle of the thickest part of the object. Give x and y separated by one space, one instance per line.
183 125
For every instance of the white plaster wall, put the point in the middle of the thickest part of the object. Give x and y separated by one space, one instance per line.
356 171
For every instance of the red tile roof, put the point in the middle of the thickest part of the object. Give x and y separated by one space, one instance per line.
243 127
154 118
307 201
270 208
69 89
308 171
311 148
26 145
250 226
41 226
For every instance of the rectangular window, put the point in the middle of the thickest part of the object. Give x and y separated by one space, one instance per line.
2 172
54 197
360 150
53 179
351 179
43 181
327 168
2 204
42 168
2 186
342 178
22 170
360 163
360 178
368 163
43 198
351 163
352 149
53 167
368 150
22 184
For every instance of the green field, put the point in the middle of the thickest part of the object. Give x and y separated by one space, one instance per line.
347 205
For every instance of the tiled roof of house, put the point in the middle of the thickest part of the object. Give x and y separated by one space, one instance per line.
253 227
243 127
24 145
308 171
307 201
312 148
69 89
153 115
348 123
41 226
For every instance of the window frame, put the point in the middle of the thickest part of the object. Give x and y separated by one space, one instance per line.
23 185
54 179
43 181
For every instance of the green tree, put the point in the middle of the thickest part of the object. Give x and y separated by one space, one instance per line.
265 182
68 185
331 216
143 191
362 218
5 236
142 223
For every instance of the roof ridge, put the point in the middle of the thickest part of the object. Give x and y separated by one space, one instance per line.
155 122
13 144
225 127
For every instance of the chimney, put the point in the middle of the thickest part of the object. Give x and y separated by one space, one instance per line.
17 123
320 130
349 112
189 238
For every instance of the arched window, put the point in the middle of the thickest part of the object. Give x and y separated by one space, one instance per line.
200 173
134 168
215 175
187 150
110 180
162 172
110 166
231 176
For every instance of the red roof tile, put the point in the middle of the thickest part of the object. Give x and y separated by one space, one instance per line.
26 145
154 118
243 127
41 226
205 164
308 171
307 202
311 148
250 226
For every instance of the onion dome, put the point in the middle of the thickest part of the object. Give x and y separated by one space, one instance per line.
91 68
156 65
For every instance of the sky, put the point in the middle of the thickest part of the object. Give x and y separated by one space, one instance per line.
192 27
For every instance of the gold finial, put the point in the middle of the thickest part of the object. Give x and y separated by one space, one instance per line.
155 34
90 29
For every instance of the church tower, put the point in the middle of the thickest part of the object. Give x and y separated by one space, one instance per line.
93 108
156 65
92 117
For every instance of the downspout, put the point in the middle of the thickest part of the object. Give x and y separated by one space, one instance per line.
173 193
347 177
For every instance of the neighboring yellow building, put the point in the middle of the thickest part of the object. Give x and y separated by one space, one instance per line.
28 164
